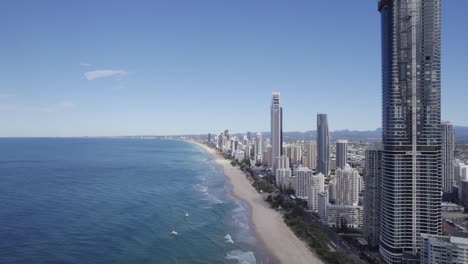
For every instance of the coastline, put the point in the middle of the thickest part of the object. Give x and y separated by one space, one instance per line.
269 227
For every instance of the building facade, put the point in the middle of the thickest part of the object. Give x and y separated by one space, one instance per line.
302 179
448 159
347 186
411 136
283 173
311 155
322 204
323 145
316 186
348 215
276 140
373 182
341 153
443 249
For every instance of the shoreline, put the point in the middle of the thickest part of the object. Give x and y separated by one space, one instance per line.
277 238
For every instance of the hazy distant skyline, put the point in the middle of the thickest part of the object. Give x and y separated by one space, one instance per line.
91 68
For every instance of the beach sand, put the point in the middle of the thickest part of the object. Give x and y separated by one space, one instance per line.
268 224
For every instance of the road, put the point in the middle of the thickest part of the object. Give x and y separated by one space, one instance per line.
341 245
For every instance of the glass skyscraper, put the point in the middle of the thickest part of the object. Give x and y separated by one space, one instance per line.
323 145
411 156
276 130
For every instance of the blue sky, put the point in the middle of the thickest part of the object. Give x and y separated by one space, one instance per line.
76 68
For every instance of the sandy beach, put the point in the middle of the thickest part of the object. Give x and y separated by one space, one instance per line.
267 223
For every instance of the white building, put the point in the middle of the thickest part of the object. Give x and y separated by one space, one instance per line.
259 148
443 249
283 172
351 216
316 186
347 186
460 175
311 155
301 182
239 155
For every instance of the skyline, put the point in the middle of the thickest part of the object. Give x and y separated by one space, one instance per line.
132 72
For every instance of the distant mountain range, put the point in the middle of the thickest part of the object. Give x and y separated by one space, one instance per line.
461 134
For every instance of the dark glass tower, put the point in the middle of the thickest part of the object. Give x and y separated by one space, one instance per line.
323 145
411 156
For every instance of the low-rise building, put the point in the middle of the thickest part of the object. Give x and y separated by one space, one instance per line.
443 249
349 215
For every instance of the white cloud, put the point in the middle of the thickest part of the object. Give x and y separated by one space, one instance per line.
63 105
84 64
91 75
6 95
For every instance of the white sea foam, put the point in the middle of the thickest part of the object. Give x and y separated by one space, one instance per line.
243 257
228 239
210 197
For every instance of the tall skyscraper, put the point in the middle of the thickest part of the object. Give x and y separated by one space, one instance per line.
311 155
373 182
302 182
347 186
411 156
276 130
341 153
283 173
448 148
259 148
323 145
316 186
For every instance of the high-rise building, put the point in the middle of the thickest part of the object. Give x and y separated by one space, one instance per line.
347 186
341 153
268 156
373 182
302 178
249 135
443 249
259 148
460 175
316 186
283 172
323 145
332 189
311 155
322 204
411 136
276 129
448 148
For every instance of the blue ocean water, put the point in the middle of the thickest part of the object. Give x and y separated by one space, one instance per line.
118 201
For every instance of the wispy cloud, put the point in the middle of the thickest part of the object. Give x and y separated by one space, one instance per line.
6 95
91 75
84 64
63 105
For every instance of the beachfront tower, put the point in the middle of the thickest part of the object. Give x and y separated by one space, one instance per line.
276 130
411 136
341 153
323 145
448 160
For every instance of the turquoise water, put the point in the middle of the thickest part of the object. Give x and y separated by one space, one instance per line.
118 201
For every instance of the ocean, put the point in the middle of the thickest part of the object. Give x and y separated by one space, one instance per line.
114 200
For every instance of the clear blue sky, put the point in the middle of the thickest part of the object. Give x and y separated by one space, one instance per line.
75 68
